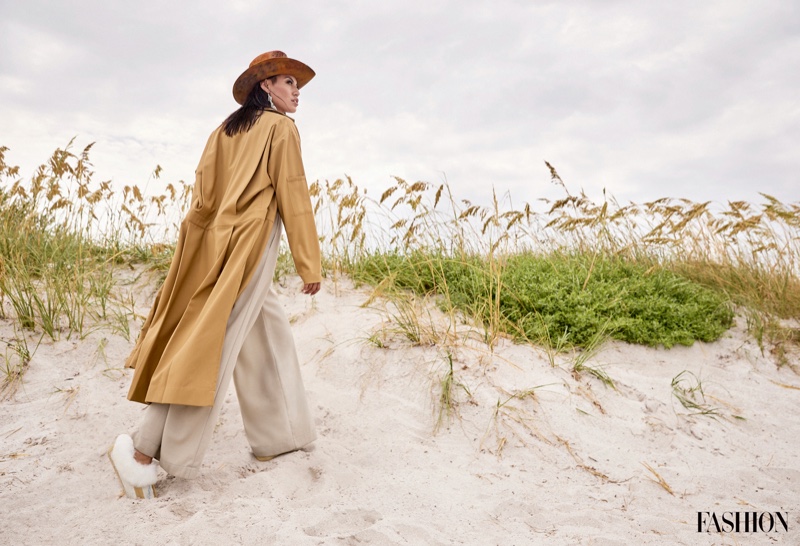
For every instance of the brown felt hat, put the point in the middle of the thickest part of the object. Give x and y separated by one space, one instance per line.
266 65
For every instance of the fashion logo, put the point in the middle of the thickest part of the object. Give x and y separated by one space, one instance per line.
742 522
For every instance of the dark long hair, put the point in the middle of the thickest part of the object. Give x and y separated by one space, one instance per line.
243 119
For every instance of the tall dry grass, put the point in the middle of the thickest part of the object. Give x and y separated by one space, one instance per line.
749 251
747 254
64 236
64 239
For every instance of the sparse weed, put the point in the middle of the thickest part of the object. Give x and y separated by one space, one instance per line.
376 339
505 414
16 359
687 388
447 397
553 346
69 394
593 347
446 394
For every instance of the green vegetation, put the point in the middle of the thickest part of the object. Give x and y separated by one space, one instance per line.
567 277
545 297
61 238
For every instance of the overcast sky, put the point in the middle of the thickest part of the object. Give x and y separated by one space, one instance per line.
646 99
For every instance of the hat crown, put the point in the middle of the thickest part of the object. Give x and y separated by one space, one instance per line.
267 56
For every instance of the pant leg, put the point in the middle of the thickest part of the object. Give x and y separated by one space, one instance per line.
183 433
270 387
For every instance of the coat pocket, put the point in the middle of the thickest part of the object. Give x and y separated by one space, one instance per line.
298 195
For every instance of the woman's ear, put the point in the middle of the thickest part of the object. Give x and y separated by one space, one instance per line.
264 86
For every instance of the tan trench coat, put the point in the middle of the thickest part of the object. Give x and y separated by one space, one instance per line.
241 183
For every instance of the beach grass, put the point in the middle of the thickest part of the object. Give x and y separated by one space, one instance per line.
566 275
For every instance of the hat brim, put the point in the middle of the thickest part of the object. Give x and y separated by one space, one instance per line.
271 67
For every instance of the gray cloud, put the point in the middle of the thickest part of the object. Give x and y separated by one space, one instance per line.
644 99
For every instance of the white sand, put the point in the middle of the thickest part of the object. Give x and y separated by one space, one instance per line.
564 466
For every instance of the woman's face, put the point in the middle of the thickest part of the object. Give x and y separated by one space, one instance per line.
284 92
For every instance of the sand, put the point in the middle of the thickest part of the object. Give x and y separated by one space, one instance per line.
530 454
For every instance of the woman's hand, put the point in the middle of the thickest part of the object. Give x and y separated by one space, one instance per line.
311 288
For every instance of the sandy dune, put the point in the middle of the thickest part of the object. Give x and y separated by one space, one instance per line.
565 461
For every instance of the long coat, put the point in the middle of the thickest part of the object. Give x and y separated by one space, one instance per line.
241 183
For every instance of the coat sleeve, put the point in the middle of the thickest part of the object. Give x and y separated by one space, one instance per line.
285 169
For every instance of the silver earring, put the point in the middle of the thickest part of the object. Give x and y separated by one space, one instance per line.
269 98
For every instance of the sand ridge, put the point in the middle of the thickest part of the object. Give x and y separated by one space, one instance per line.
532 454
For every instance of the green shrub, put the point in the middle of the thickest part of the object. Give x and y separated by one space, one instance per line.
546 297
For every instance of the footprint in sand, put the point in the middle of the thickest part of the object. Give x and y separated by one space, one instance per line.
347 522
183 509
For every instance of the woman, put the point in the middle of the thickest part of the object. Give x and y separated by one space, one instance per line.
216 316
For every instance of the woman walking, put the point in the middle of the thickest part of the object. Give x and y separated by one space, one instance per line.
216 315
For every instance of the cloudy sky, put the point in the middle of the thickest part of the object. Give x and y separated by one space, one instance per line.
646 99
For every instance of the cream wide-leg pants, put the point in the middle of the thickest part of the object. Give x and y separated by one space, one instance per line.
259 352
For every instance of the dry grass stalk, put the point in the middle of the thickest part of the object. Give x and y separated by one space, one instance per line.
447 397
785 386
659 479
579 462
